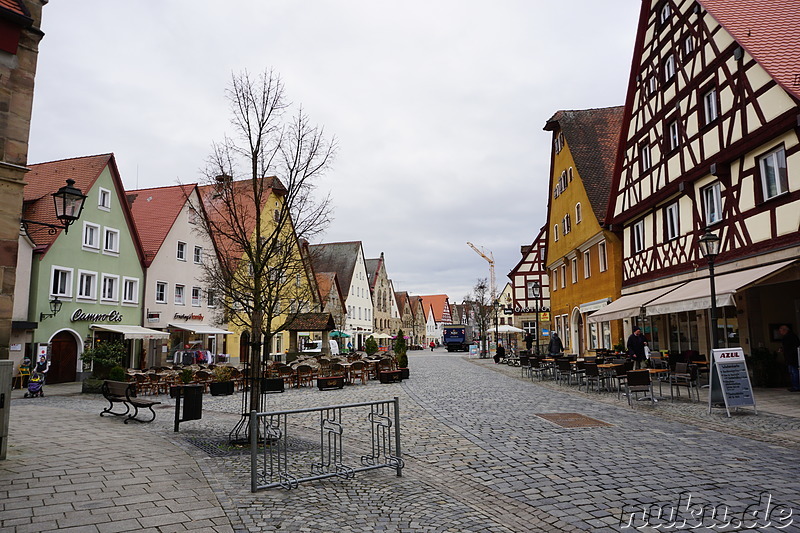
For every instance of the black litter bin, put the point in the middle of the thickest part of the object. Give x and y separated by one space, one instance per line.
191 398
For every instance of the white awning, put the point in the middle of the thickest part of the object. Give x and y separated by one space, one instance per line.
590 307
696 294
132 332
627 306
202 329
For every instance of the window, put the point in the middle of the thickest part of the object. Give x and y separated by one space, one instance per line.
111 241
652 85
110 288
574 269
578 214
198 255
671 222
774 179
688 45
104 199
563 276
664 13
531 293
567 224
555 232
180 292
601 256
669 68
130 290
710 106
712 203
638 236
211 297
645 159
87 285
62 282
569 174
196 296
181 255
558 143
91 236
587 266
673 134
161 292
554 278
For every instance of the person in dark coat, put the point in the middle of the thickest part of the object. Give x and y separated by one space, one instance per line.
499 354
636 344
555 346
789 344
528 342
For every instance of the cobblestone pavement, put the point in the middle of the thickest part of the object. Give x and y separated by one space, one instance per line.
477 459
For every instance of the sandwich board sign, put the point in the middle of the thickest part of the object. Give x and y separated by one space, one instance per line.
730 382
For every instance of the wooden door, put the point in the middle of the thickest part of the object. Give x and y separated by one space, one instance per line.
63 358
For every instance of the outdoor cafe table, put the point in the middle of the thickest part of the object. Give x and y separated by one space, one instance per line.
609 369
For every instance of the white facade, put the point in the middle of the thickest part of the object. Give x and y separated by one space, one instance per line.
359 304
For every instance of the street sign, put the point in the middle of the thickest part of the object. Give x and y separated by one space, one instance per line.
730 382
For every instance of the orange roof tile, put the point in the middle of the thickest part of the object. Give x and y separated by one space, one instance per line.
769 31
155 211
15 10
437 302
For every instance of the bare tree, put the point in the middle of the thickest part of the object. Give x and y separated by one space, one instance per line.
261 207
479 306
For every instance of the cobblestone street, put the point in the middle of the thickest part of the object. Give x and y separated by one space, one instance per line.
478 458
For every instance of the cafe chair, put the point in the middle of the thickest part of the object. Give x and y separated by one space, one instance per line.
305 376
685 375
564 370
593 376
639 381
524 364
358 372
537 368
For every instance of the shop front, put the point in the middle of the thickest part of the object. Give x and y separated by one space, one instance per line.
138 340
207 343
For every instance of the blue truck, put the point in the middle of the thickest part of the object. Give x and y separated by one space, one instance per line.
457 338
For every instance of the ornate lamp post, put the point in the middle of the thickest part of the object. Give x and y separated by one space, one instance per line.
537 293
68 201
55 307
709 246
496 332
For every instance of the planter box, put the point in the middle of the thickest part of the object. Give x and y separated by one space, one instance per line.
269 385
221 388
332 382
404 373
390 376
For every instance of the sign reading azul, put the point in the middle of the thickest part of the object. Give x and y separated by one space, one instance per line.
80 316
180 316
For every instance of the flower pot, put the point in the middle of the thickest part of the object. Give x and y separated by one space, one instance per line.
221 388
404 373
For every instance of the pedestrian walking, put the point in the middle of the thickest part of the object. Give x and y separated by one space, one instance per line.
432 345
555 346
636 347
528 342
499 354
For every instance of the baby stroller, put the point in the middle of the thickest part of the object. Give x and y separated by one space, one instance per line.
35 385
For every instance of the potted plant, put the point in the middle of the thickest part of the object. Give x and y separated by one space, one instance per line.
371 346
223 382
185 376
401 353
101 358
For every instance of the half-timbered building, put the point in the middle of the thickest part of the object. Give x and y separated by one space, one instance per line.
524 277
710 141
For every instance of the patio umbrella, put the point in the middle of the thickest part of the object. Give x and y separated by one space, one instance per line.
506 328
336 334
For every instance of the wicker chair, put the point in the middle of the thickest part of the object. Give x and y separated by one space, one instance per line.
358 371
305 376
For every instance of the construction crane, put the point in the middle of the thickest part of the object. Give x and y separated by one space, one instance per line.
490 259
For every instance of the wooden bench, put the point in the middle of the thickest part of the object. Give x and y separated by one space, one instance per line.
125 393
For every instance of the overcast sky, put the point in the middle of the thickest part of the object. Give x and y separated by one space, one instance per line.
437 106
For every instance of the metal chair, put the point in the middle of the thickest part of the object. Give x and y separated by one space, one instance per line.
593 376
639 381
685 375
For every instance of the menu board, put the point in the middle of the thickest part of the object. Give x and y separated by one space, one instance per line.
730 382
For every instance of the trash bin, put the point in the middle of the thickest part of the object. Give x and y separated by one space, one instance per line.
191 397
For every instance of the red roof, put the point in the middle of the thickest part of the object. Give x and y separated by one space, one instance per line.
155 211
46 178
770 32
437 302
15 8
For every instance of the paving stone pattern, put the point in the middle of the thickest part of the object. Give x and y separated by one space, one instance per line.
478 459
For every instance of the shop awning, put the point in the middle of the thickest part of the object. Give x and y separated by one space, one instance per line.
202 329
627 306
132 332
696 294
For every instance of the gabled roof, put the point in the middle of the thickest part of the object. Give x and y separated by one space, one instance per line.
437 302
401 297
155 211
46 178
373 266
339 257
327 281
770 32
592 136
526 250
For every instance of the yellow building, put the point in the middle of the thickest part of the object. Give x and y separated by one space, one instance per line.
583 256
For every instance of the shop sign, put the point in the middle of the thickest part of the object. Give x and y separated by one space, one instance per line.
544 317
520 309
80 316
181 316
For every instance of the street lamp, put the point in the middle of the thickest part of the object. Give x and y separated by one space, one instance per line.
709 246
496 331
68 202
55 307
537 293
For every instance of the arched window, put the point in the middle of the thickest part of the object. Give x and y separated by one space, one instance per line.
578 214
555 232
